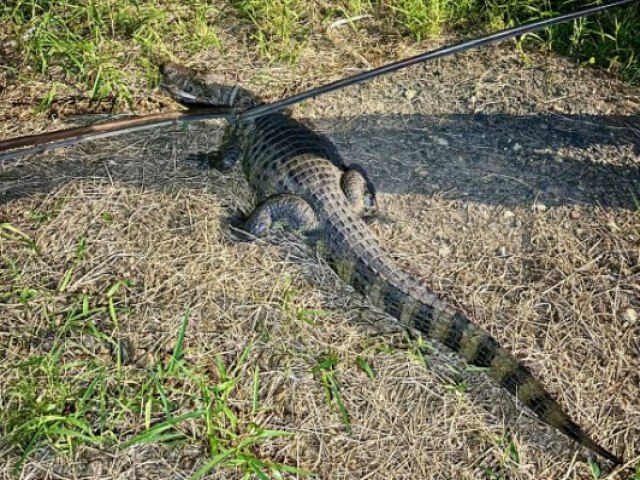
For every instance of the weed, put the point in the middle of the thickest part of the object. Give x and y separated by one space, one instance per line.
47 100
509 460
91 41
384 348
87 46
420 349
306 315
37 217
490 473
280 26
459 388
474 369
80 252
256 391
365 367
594 468
512 452
421 18
166 431
9 232
66 396
328 377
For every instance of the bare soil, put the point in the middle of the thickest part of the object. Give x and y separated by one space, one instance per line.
509 184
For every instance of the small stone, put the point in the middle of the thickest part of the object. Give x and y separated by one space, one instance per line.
630 315
508 214
443 142
410 94
421 172
502 251
540 207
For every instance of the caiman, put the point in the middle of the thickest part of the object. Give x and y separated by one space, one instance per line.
301 181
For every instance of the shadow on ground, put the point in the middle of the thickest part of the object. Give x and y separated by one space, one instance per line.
492 159
502 159
531 292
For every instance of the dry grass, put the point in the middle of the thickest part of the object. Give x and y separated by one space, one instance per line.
557 284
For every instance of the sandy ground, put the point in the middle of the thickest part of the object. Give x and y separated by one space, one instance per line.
510 186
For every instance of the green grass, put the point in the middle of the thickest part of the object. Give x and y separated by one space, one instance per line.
78 387
422 19
67 403
609 40
328 376
509 461
280 27
12 233
103 47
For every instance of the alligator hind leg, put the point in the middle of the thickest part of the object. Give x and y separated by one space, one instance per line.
290 210
358 190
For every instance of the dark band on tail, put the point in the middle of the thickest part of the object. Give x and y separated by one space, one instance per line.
478 348
459 324
485 352
517 377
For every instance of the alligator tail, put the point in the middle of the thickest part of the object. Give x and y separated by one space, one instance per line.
478 348
406 299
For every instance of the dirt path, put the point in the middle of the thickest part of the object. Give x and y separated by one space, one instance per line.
511 187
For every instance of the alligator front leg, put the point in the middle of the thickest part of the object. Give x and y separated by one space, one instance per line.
227 156
359 190
291 210
230 151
